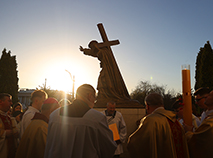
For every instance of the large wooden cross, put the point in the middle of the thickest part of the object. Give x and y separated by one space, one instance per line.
106 42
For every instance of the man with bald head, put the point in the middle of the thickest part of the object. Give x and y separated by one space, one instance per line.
159 134
79 131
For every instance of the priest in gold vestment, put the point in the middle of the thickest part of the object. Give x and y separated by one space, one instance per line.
200 141
159 135
33 141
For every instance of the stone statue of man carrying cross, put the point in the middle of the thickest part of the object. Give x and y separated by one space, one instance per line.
110 82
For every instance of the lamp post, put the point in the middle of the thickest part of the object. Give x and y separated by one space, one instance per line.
73 85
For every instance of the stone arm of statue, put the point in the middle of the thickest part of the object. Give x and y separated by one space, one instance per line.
88 51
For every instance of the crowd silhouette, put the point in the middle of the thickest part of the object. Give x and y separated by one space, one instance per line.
53 129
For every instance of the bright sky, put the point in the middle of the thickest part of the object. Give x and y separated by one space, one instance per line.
156 38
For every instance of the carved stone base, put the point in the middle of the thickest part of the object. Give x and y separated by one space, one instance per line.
119 103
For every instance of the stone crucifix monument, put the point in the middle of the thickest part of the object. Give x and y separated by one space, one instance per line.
111 85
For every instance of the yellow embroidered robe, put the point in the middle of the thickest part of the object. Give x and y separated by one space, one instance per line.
200 141
33 141
154 137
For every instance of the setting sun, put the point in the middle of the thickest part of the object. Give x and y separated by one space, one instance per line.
59 77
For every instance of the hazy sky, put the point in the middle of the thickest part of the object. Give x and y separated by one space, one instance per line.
156 38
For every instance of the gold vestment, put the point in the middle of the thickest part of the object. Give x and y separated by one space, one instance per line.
33 141
200 142
154 138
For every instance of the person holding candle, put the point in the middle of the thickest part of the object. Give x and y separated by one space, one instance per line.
200 96
200 141
177 106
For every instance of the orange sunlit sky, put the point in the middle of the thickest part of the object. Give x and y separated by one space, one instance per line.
156 38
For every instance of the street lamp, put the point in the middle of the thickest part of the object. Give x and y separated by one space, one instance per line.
73 81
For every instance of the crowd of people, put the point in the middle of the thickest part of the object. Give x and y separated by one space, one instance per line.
52 129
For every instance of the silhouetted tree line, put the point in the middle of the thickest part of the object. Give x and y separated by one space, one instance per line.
144 88
8 75
204 67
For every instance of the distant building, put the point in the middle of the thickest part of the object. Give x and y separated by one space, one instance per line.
24 96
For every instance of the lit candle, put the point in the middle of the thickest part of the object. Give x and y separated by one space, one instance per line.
187 100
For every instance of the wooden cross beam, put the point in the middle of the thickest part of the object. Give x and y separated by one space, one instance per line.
106 42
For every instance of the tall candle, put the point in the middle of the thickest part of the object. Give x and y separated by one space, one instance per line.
187 100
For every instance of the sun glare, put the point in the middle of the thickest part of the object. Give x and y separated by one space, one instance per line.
61 77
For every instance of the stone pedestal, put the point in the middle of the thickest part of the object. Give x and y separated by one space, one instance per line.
101 103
